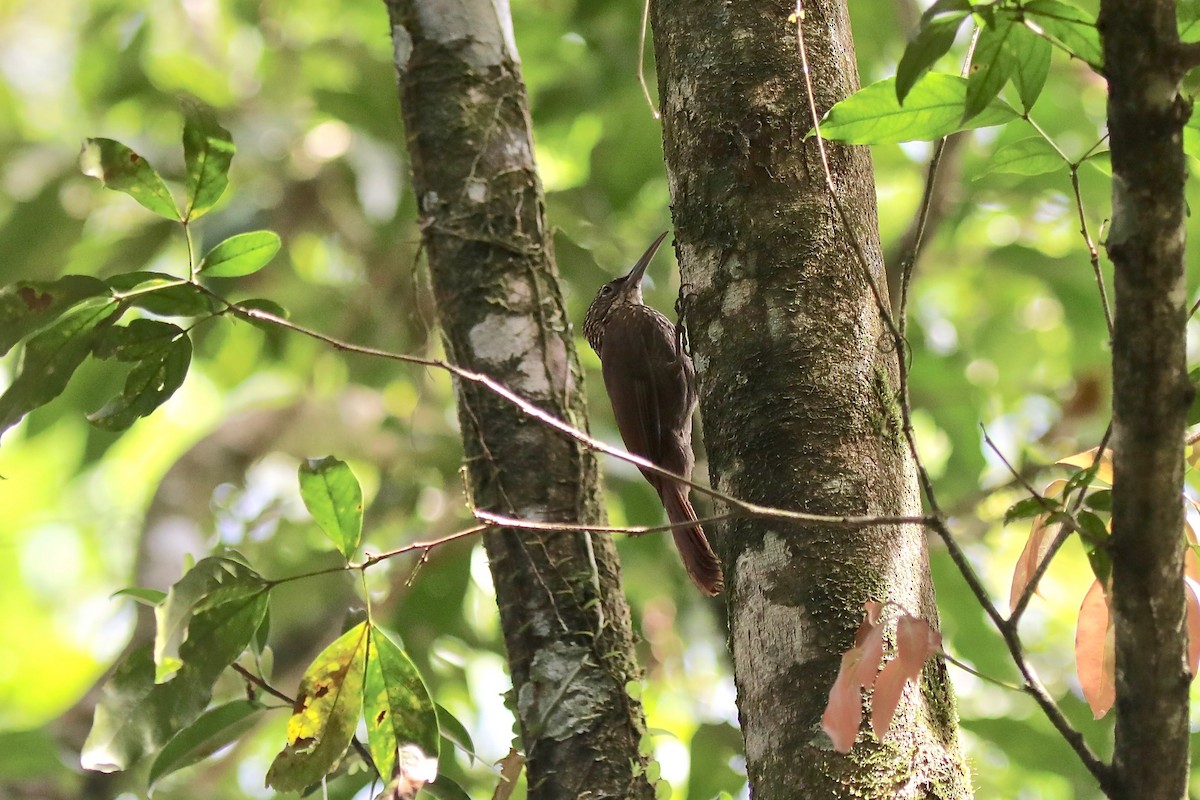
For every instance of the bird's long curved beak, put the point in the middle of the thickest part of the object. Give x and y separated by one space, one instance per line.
634 277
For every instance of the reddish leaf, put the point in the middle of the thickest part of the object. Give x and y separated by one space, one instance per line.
1192 599
916 641
1040 537
843 713
869 646
1095 657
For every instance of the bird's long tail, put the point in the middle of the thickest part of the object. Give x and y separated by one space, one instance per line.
698 557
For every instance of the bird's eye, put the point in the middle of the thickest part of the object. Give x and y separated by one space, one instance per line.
606 290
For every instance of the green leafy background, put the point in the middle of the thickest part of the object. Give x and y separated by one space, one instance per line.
1006 331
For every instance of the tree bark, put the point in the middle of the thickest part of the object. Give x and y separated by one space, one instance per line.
564 617
798 391
1151 394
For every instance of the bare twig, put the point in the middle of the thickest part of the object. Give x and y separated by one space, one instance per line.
552 421
641 68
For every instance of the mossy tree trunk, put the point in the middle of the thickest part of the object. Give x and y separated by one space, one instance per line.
798 390
564 618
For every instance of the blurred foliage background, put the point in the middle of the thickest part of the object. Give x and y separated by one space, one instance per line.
1007 331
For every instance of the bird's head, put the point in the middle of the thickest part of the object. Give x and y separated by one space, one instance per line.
626 290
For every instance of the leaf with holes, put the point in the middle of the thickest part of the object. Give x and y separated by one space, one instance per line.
27 307
212 582
400 715
150 383
325 715
52 356
992 64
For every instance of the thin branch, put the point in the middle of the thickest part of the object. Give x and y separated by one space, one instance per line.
949 659
1093 252
261 683
371 560
552 421
641 68
850 523
258 681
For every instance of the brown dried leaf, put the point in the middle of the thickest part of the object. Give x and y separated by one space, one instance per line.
1095 656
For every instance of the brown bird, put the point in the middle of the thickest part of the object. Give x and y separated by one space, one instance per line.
652 386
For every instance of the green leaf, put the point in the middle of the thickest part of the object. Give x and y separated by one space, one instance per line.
33 755
933 41
1101 562
52 356
148 385
243 254
162 294
212 582
333 497
1032 56
399 712
946 7
454 731
213 730
991 65
325 715
1032 156
261 633
135 716
445 789
139 340
207 152
119 168
1193 416
1028 507
1072 27
143 595
1093 529
1187 16
28 306
933 109
1100 501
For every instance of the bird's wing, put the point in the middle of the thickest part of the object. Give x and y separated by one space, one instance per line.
648 386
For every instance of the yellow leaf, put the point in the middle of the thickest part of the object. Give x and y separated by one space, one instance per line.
325 714
1104 472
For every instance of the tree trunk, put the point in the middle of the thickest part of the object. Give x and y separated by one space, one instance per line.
564 617
1151 394
798 391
